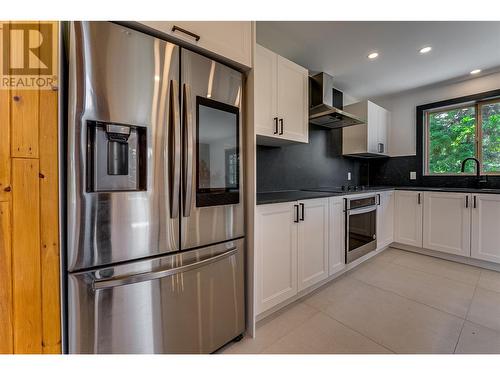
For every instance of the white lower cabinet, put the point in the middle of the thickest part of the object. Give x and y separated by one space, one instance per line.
291 249
275 254
301 243
408 217
336 254
446 224
385 219
312 242
486 227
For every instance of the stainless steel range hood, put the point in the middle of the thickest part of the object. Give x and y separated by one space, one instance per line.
325 104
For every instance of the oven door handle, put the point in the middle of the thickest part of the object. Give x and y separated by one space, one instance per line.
361 210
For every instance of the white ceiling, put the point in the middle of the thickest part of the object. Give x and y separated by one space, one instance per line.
341 48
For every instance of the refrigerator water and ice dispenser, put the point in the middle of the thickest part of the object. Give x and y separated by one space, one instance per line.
116 155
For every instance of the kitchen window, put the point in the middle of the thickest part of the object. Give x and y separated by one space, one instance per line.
454 133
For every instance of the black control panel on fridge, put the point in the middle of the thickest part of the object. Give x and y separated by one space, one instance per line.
116 157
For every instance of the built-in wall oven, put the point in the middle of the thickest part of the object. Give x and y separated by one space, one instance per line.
360 226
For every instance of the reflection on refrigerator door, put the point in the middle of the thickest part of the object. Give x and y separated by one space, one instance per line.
155 207
123 131
192 302
213 208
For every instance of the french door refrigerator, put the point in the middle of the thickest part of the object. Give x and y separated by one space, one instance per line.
155 246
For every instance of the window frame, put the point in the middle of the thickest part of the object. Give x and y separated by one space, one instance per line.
423 112
479 132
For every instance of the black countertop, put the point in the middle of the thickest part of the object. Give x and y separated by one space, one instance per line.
295 195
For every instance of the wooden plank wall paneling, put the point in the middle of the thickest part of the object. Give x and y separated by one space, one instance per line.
26 270
6 328
25 116
49 222
29 233
5 280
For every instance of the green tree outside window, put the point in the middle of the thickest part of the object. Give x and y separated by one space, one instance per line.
452 136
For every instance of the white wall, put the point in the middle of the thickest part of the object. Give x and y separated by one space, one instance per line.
402 106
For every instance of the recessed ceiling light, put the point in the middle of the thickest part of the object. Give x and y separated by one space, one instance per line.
425 50
373 55
476 71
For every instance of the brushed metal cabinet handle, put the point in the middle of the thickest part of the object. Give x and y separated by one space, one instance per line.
302 209
281 126
275 125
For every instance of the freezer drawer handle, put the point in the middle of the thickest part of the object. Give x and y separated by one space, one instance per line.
148 276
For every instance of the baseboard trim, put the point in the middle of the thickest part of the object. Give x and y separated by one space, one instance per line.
451 257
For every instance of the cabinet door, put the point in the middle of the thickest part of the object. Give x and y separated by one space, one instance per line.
229 39
382 130
275 255
408 217
292 100
312 242
373 124
385 219
486 227
265 71
336 253
447 222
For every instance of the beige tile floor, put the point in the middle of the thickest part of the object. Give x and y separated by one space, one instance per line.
397 302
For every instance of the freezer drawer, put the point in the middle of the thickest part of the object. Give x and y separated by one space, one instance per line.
191 302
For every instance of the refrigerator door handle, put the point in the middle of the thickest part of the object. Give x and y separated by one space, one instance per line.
188 151
176 124
158 274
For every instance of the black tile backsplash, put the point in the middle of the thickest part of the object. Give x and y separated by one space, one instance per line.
395 171
315 164
320 163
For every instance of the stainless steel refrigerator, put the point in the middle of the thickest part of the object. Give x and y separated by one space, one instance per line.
155 216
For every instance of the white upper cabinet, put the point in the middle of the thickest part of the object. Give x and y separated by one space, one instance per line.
312 242
486 227
275 254
408 217
447 218
336 254
265 87
281 99
370 137
230 40
385 219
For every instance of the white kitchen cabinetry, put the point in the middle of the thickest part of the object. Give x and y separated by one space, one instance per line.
336 254
372 136
291 249
231 40
446 224
408 217
312 242
486 227
275 254
385 219
281 99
